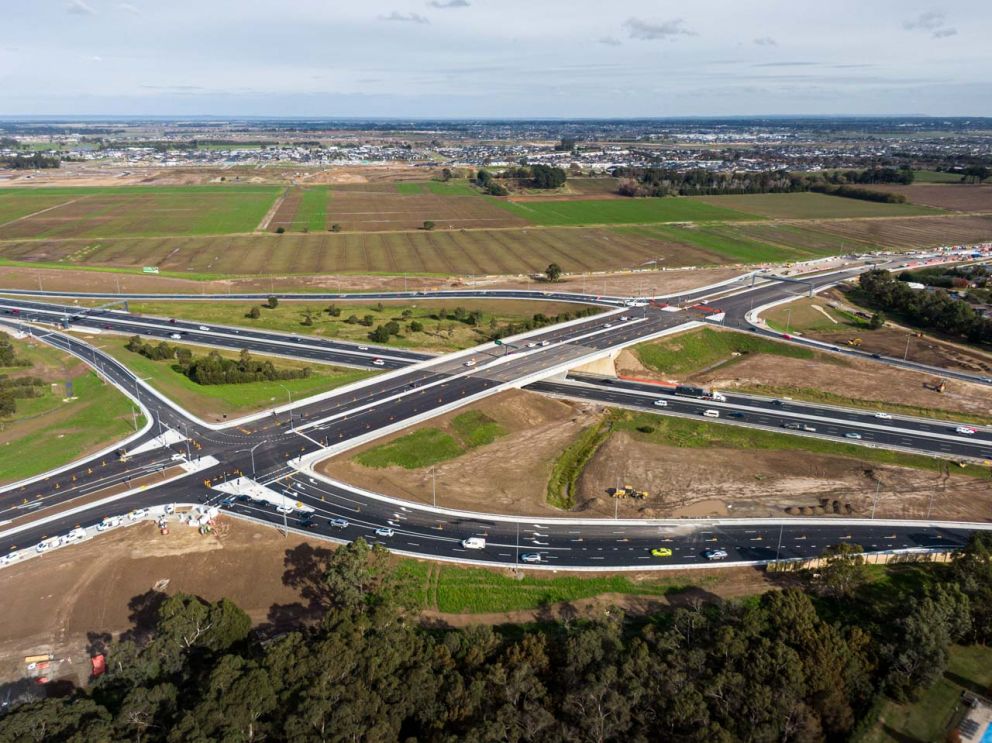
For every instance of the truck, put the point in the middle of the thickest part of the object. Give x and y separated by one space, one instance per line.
689 390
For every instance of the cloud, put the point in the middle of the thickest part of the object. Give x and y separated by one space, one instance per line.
95 58
608 40
786 64
78 7
404 17
128 8
652 31
765 41
932 21
442 4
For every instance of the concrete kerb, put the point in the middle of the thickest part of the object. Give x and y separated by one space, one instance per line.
149 422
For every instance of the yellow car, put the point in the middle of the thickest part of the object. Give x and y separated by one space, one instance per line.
661 552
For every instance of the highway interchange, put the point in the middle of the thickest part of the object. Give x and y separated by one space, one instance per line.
275 447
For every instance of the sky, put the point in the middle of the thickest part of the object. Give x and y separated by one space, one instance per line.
495 58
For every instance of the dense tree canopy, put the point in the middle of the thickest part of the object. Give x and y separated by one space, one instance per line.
773 669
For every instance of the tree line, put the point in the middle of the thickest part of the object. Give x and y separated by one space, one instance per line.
801 664
930 310
214 368
526 176
701 182
16 388
33 161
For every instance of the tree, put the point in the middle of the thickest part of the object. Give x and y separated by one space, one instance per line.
428 225
553 272
445 174
254 313
272 302
280 230
379 335
877 321
333 310
416 326
335 227
845 570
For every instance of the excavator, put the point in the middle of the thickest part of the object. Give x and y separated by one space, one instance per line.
854 342
627 491
937 385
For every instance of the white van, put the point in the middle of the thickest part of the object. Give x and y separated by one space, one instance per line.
711 413
474 543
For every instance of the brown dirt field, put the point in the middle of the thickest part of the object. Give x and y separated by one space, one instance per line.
958 197
538 429
760 483
58 602
68 279
364 211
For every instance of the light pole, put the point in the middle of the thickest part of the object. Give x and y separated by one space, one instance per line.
252 453
906 353
189 456
290 396
788 320
874 502
434 484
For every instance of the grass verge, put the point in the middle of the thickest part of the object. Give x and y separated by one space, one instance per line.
46 432
428 446
569 465
222 400
699 349
692 434
455 590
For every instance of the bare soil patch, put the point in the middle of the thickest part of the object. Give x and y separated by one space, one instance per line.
761 483
958 197
538 428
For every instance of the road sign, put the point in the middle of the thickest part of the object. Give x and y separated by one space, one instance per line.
498 342
150 269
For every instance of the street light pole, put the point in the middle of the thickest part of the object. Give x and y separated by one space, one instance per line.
434 484
290 396
906 353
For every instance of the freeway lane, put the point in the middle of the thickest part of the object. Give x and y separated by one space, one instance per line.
788 410
823 422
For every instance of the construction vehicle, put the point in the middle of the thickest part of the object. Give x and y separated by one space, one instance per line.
937 385
627 491
856 342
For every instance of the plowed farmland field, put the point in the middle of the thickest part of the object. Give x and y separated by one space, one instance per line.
366 211
439 252
134 211
958 197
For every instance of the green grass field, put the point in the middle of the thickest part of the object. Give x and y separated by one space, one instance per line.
722 240
474 590
812 206
690 352
935 176
428 446
135 211
620 211
312 213
928 719
287 317
46 432
217 401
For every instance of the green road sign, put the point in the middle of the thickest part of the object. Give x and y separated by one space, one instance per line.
498 342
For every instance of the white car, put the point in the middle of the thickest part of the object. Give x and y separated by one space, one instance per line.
607 325
531 345
384 531
852 435
661 403
474 543
75 535
204 327
175 336
966 430
379 362
177 457
531 557
9 558
545 343
624 318
170 509
110 522
285 510
470 362
363 348
47 544
711 413
883 416
137 514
